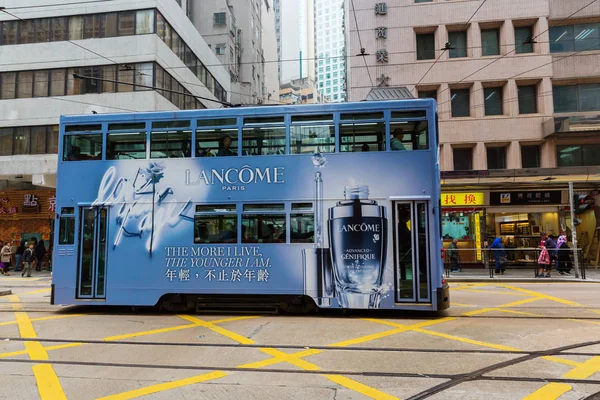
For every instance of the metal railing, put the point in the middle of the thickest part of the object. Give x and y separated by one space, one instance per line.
515 259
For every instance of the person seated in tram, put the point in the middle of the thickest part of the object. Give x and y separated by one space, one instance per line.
225 147
396 141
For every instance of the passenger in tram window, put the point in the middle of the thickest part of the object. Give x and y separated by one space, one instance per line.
365 147
75 154
225 148
396 141
229 234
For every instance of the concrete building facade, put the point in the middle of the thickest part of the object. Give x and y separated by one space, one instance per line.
518 90
235 30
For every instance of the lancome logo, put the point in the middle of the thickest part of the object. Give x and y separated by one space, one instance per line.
235 178
359 228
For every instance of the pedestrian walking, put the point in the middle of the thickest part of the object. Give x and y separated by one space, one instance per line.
28 258
499 255
5 256
40 253
454 256
543 259
19 255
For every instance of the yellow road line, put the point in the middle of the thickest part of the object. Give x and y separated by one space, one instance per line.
278 359
585 369
23 352
220 321
150 332
47 290
544 296
518 312
291 359
42 319
360 388
222 331
47 381
465 340
521 302
562 361
462 305
551 391
584 321
477 312
165 386
490 292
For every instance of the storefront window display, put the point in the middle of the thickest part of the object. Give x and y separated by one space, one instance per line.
465 226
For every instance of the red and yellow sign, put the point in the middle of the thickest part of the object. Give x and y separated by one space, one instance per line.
462 199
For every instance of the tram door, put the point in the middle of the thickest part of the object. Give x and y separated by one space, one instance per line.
411 252
91 271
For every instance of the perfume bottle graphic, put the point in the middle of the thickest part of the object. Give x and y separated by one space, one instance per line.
318 273
358 244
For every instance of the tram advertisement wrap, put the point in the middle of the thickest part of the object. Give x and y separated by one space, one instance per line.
158 218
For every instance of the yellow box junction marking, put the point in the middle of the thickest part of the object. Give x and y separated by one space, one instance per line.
47 381
551 391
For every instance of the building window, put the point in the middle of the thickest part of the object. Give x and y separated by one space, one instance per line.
426 46
460 102
493 101
463 159
527 99
144 22
490 42
220 49
530 156
428 94
458 42
496 157
523 38
219 18
576 98
579 37
578 155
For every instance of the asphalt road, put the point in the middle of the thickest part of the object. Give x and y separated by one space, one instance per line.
498 341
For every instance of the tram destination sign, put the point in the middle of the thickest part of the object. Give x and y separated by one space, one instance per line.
526 198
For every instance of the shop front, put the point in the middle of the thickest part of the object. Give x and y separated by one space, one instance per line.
520 217
27 215
463 214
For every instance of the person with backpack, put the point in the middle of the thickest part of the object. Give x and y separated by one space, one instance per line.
28 258
544 258
500 258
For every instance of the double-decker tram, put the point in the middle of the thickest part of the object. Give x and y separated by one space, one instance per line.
284 207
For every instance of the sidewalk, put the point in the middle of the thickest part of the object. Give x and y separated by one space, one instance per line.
520 275
14 280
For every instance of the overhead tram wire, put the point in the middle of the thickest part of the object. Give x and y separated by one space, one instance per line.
448 47
225 103
522 45
362 49
57 4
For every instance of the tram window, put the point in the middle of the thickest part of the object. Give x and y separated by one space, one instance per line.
217 122
126 146
215 208
408 114
217 228
171 144
312 134
82 147
170 124
362 136
216 142
83 128
263 136
136 126
263 223
302 223
411 135
66 231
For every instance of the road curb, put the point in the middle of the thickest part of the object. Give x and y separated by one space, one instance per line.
5 292
518 280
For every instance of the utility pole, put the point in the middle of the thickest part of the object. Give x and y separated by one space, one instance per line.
574 230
